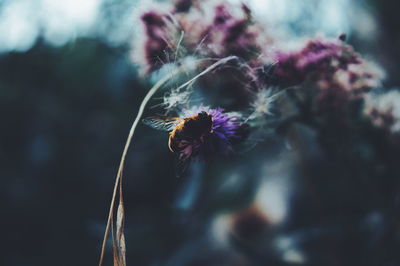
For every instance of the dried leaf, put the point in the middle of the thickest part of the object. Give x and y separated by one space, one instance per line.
114 245
120 254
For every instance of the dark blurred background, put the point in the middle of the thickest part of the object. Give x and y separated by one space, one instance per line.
68 96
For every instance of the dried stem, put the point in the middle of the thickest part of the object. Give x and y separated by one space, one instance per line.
152 91
118 179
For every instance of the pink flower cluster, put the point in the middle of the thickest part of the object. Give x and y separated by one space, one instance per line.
199 28
330 65
332 70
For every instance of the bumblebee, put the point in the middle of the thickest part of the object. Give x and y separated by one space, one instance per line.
185 133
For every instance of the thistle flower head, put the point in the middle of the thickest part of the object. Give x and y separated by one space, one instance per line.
328 63
218 28
225 132
384 110
334 69
156 44
315 56
230 32
203 29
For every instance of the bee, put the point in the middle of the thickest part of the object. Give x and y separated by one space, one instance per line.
185 133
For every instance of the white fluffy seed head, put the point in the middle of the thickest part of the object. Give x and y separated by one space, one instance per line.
176 99
263 103
384 110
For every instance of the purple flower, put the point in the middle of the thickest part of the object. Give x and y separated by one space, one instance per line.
156 44
232 35
221 29
328 64
226 130
210 29
319 57
338 73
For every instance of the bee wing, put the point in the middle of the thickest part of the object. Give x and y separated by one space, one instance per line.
162 123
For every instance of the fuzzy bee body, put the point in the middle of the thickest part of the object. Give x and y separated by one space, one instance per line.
185 133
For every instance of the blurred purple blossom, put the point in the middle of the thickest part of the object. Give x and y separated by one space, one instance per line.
230 34
157 45
203 29
328 64
219 29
